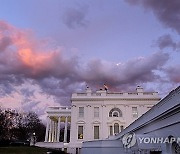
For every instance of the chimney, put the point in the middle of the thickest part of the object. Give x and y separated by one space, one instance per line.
139 89
88 91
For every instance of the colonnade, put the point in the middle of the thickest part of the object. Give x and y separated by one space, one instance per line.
53 129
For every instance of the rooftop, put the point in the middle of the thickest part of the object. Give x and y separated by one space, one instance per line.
139 93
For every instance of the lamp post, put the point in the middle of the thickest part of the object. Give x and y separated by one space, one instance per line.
33 139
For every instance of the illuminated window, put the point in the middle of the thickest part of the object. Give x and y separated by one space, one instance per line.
80 132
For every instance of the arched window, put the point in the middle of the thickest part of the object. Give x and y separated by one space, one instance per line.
116 128
115 112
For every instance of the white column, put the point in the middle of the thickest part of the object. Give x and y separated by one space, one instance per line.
50 131
47 130
52 139
59 128
55 131
65 130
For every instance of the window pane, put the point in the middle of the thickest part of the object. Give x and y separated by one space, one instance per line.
111 130
122 128
80 132
96 112
115 114
115 110
96 132
116 128
81 111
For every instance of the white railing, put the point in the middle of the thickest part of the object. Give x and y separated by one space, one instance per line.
115 94
81 94
59 108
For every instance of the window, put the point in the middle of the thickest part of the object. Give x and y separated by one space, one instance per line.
96 112
81 111
122 128
116 128
80 132
134 112
115 112
111 130
96 132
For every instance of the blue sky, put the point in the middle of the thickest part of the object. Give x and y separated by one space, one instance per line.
68 44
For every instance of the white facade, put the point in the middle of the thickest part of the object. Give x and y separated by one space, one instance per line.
159 127
116 111
97 115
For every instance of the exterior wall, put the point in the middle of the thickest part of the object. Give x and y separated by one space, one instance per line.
106 101
110 147
161 121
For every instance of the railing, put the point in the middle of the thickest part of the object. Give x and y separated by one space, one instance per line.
81 94
132 93
59 108
148 93
116 94
96 94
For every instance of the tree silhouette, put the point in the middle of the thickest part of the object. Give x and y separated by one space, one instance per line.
20 126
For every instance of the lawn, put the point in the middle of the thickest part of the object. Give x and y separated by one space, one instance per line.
27 150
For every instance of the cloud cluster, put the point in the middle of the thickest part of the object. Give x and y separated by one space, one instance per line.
75 17
24 59
167 11
166 41
133 71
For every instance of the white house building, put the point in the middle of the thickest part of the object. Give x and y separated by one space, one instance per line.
156 132
95 116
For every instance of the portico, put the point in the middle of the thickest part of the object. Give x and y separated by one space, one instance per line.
58 118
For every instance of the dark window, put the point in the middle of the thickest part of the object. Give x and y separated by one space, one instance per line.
96 132
116 128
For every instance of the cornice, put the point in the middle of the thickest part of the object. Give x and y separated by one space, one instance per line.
120 99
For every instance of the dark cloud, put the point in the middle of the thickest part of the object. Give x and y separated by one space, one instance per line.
167 11
134 71
75 17
166 41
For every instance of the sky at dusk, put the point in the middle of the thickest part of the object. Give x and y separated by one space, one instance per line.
52 48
